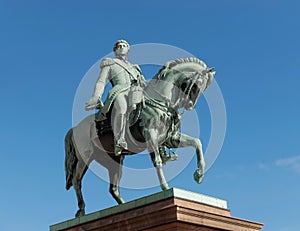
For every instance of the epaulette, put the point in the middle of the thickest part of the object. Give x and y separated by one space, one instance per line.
106 62
137 67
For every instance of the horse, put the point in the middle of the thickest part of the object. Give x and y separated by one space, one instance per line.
154 125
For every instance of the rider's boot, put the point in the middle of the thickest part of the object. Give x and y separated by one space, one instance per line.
119 131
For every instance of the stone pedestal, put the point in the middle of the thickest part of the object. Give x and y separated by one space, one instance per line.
173 209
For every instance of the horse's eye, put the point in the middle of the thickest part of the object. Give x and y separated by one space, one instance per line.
194 88
183 87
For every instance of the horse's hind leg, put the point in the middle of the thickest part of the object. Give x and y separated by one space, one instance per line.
115 173
79 172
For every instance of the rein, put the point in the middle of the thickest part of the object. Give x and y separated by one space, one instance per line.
169 103
157 104
169 106
187 91
165 108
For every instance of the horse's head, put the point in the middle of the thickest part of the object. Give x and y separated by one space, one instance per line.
191 77
194 85
180 82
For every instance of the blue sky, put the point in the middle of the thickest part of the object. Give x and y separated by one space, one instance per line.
46 47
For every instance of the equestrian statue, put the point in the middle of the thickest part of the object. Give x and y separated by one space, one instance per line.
136 116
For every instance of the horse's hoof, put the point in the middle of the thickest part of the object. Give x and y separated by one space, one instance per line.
121 200
198 177
164 186
80 213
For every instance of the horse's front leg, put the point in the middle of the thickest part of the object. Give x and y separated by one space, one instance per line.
182 140
152 139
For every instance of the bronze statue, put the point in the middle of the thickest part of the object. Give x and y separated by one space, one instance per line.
154 123
123 77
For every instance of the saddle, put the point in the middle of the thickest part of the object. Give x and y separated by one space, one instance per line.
103 122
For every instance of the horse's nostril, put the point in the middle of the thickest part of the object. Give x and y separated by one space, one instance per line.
189 105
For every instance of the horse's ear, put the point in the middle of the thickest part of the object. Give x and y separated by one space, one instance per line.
161 73
164 71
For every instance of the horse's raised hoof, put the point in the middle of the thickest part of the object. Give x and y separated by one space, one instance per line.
80 213
198 177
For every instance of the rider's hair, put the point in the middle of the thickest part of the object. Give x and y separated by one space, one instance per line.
120 41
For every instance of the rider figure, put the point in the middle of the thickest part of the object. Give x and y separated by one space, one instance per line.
122 75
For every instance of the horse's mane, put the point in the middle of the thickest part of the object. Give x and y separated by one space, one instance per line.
173 63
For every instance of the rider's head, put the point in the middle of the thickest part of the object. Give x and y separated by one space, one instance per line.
121 47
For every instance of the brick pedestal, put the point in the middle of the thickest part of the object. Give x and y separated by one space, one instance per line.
174 209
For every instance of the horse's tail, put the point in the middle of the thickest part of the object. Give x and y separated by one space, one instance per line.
70 158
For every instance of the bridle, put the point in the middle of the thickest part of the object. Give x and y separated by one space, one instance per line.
197 76
184 95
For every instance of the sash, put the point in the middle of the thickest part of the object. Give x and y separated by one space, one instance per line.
130 72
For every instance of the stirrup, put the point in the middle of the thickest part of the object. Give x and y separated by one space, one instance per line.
120 146
172 156
118 150
122 143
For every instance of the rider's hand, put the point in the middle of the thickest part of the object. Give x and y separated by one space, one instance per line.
93 103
